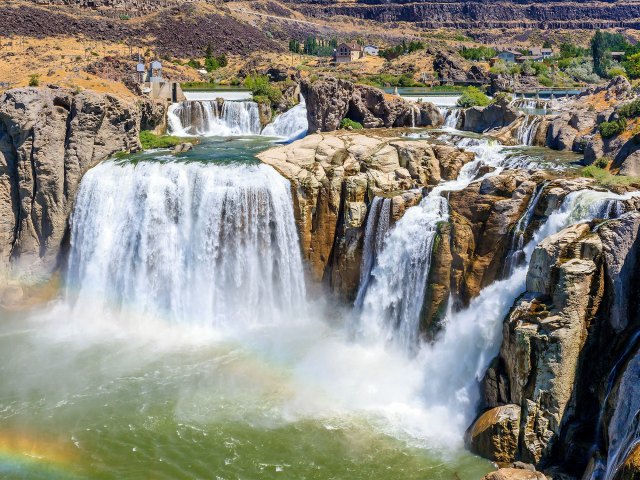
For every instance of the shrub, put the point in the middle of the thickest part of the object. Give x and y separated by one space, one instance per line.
473 97
616 71
610 129
149 140
260 87
629 110
602 162
479 53
347 122
34 80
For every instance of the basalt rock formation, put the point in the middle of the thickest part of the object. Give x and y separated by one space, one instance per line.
334 178
49 138
329 100
483 14
578 307
497 115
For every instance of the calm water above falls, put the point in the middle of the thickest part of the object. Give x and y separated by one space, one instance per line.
173 354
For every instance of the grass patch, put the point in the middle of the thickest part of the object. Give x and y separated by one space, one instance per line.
605 178
347 122
150 140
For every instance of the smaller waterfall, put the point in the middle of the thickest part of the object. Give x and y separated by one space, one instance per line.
376 229
515 255
451 116
526 133
206 118
290 125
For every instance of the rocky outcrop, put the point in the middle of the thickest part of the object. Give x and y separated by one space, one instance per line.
48 139
495 433
505 82
334 179
449 67
330 99
514 474
566 331
498 115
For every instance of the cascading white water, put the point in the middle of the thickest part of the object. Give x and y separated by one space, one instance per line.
515 254
526 133
452 118
206 118
290 125
455 364
392 296
376 229
201 244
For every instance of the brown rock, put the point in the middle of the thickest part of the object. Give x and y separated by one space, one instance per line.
494 434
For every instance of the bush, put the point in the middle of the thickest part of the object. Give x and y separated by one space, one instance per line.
602 162
260 87
149 140
473 97
34 80
616 71
629 110
347 122
610 129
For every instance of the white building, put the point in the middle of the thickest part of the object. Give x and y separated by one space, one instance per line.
371 50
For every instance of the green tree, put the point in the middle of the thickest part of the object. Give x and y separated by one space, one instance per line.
473 97
632 65
599 53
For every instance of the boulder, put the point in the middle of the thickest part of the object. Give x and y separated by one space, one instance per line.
514 474
494 434
496 115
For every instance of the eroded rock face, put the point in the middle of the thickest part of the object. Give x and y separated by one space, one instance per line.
334 179
496 115
48 139
329 100
514 474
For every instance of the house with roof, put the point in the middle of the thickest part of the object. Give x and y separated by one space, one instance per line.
541 52
530 58
508 56
371 50
348 52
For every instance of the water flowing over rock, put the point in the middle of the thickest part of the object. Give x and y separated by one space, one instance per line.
564 290
214 118
290 125
329 100
48 139
336 176
201 244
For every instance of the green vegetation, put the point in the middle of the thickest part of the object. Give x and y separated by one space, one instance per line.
349 124
473 97
603 162
610 129
388 80
479 53
200 86
262 90
605 178
403 48
149 140
319 47
629 110
34 80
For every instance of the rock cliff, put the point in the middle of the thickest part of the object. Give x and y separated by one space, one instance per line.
48 139
329 100
334 178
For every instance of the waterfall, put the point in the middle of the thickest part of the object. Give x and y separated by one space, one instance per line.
206 118
376 229
290 125
526 133
198 243
451 116
515 254
392 295
456 363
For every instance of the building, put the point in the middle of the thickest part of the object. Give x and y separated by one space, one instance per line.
541 52
509 56
530 58
348 52
617 56
371 50
140 72
155 72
